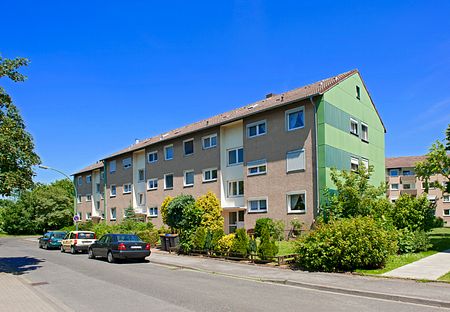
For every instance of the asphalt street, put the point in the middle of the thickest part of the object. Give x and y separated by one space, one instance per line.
77 283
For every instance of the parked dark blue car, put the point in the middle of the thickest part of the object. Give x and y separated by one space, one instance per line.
119 246
51 239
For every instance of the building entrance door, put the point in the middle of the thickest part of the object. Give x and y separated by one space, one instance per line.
236 220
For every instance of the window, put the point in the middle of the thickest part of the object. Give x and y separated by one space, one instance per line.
407 173
209 141
78 199
210 175
365 163
153 211
168 152
393 172
364 132
393 199
353 126
127 188
188 146
80 180
97 188
235 188
112 190
88 179
394 186
88 197
141 175
409 186
189 178
358 93
447 212
152 184
235 156
126 163
113 213
112 166
256 129
295 119
256 167
257 205
295 160
168 181
141 199
296 202
152 157
446 198
97 205
88 216
354 164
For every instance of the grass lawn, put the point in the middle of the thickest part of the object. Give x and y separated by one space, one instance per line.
285 248
445 278
440 239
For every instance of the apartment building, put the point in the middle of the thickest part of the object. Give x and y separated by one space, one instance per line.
402 180
271 158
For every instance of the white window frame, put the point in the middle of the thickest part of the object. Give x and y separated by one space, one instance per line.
128 165
259 205
143 175
151 212
393 199
184 147
112 168
257 164
290 111
230 187
79 199
88 215
111 214
110 190
165 186
210 138
154 187
236 150
288 202
304 160
365 163
395 189
354 161
210 170
80 180
88 181
362 132
165 151
130 185
354 121
185 172
412 186
155 157
256 124
446 200
141 199
88 197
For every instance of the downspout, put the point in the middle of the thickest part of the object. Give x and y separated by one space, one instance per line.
316 167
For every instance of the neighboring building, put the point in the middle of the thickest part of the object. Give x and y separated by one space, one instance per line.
402 180
268 159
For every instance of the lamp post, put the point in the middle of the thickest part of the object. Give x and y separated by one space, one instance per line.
74 189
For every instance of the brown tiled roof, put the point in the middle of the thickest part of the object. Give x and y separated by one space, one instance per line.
403 162
97 165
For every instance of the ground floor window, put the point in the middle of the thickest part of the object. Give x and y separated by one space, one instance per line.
296 202
153 211
447 212
88 216
257 205
113 213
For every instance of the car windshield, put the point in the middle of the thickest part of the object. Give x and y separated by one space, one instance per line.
127 238
59 235
82 235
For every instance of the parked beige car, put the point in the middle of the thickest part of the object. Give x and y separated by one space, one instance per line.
76 241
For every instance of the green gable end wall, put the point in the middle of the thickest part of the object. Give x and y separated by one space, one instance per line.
336 145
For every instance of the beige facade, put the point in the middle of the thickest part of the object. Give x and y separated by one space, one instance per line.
402 180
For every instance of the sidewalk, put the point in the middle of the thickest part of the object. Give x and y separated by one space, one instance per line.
433 294
430 268
17 295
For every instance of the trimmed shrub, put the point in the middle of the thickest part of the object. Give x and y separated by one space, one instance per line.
215 235
176 211
149 236
212 212
164 206
278 230
199 238
240 243
264 223
414 213
267 248
438 222
409 241
225 242
345 245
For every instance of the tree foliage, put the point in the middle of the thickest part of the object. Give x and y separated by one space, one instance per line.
17 156
447 137
212 212
437 162
413 213
164 206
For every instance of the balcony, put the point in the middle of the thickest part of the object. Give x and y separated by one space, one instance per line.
412 192
408 179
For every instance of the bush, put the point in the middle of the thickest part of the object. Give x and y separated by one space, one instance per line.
149 236
267 248
413 213
164 206
264 223
176 209
199 238
345 245
409 241
225 242
212 212
438 222
212 239
278 230
240 243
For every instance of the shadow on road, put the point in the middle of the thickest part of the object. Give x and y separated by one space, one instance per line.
18 265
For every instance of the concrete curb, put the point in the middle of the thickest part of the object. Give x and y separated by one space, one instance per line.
346 291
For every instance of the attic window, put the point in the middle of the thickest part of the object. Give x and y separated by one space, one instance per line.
358 93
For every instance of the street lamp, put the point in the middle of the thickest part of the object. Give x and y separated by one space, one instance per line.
74 188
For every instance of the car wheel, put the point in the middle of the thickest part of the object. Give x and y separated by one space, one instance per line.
62 248
40 245
110 257
91 254
46 246
72 250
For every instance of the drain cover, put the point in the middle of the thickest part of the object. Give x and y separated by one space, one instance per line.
39 283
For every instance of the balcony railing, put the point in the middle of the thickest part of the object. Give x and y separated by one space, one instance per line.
408 179
412 192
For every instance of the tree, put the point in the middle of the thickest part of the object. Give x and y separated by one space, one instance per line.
447 137
17 156
437 162
212 212
413 213
164 206
130 214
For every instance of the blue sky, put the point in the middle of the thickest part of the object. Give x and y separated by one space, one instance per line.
105 73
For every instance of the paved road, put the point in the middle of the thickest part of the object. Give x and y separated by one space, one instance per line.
95 285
